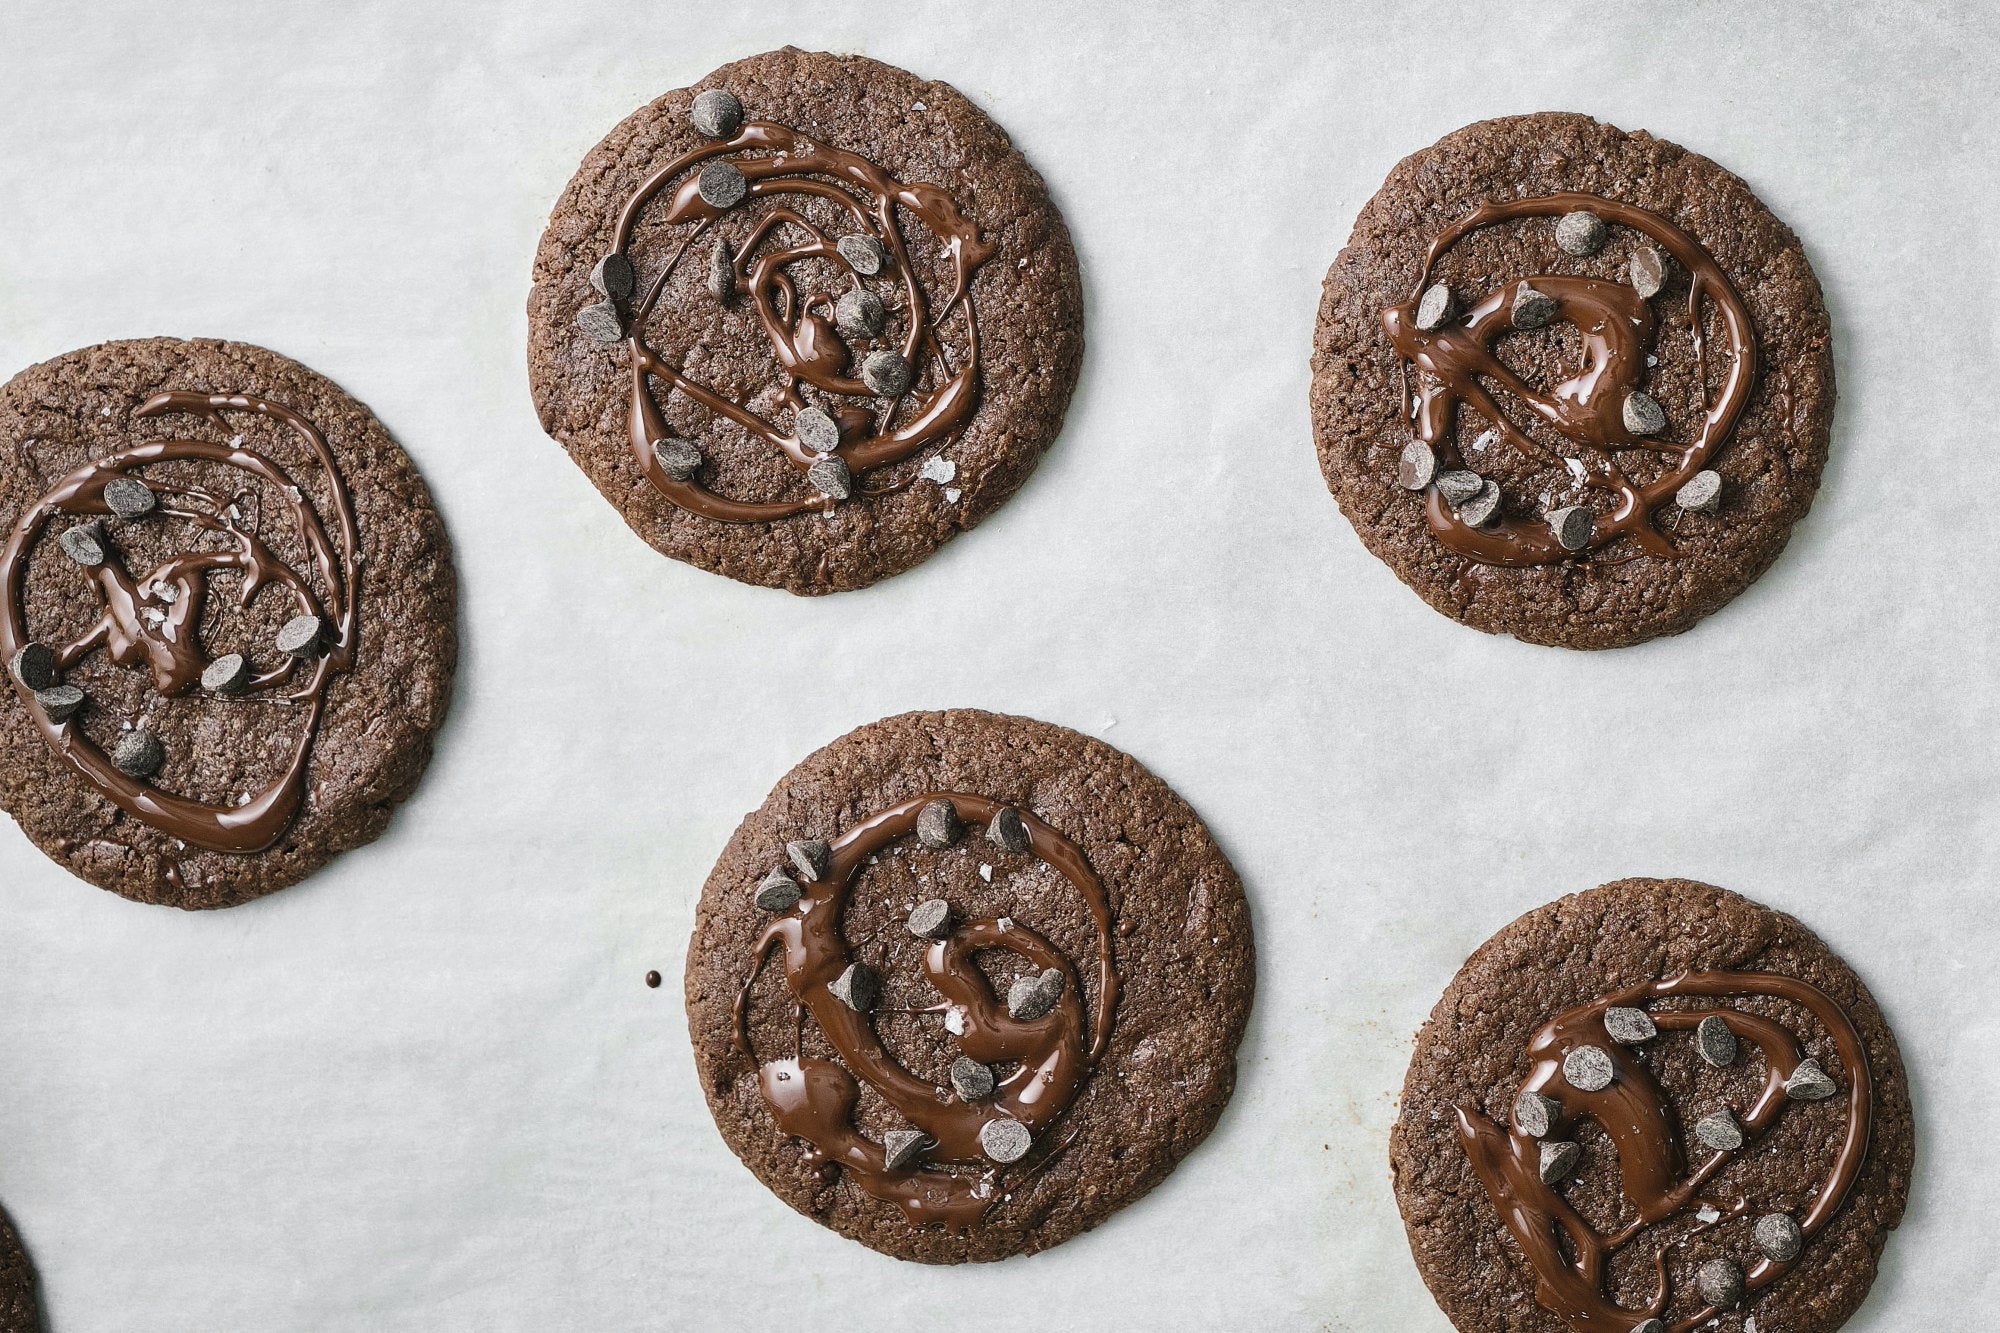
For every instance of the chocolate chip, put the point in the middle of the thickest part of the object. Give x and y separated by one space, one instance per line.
679 459
1629 1027
722 270
227 674
931 919
1702 492
1580 233
1006 831
716 113
900 1147
722 185
816 430
1482 508
832 478
1648 271
138 754
1719 1130
613 276
1643 416
128 497
1434 308
1418 466
35 667
1005 1140
809 856
300 636
1536 1115
1574 526
83 544
59 703
602 321
1779 1237
1719 1282
1532 309
860 313
937 825
1029 998
862 253
1809 1083
857 987
1715 1041
776 892
1650 1326
1559 1159
1589 1068
970 1079
1458 486
885 373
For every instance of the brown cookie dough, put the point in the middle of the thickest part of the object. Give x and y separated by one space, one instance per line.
20 1311
1696 1051
1547 362
180 781
971 965
810 434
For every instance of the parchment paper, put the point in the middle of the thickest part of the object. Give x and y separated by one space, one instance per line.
428 1089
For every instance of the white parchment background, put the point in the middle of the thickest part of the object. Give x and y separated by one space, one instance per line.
428 1089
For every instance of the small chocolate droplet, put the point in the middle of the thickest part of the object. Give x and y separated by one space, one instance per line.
1573 527
722 270
832 478
1532 309
1715 1042
1482 508
1648 271
938 825
931 919
226 674
1006 831
776 892
1580 233
1809 1083
970 1079
613 276
1558 1160
885 373
1005 1140
300 636
901 1147
860 313
653 980
862 253
1702 492
1536 1115
721 185
716 113
809 856
129 498
1458 486
60 703
1720 1283
602 321
1030 998
1434 308
1719 1130
857 987
138 754
679 459
1589 1068
1417 468
1643 416
816 430
1629 1026
35 667
83 544
1779 1237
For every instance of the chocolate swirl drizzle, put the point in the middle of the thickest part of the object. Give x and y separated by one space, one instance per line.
152 621
1455 363
1569 1258
775 161
814 1099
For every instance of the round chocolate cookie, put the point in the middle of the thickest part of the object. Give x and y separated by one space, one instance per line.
805 321
20 1311
227 614
1646 1106
1571 384
967 984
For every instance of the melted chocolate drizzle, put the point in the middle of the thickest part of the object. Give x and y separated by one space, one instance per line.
814 1099
808 349
1570 1259
168 648
1455 363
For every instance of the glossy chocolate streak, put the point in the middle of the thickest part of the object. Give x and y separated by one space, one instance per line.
808 348
813 1099
169 651
1455 363
1569 1258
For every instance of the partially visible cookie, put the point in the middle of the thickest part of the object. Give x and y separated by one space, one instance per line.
227 617
991 977
803 322
20 1311
1571 384
1652 1067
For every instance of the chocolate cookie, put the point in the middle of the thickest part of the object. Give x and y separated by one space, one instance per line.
1571 384
805 321
967 984
227 612
20 1312
1646 1106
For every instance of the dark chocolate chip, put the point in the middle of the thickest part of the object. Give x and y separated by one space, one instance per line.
937 825
832 478
1029 998
1580 233
857 987
602 321
227 674
613 276
901 1147
1779 1237
1702 492
1558 1160
776 892
1458 486
1574 526
83 544
138 754
816 430
1536 1115
716 113
1005 1140
679 459
1650 1326
1643 416
301 635
1482 508
1719 1130
1006 831
860 313
1720 1283
59 703
722 270
862 253
1715 1041
35 667
1532 309
970 1079
1434 308
1589 1068
1628 1026
1809 1083
721 185
129 498
1648 271
885 373
1417 468
931 919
